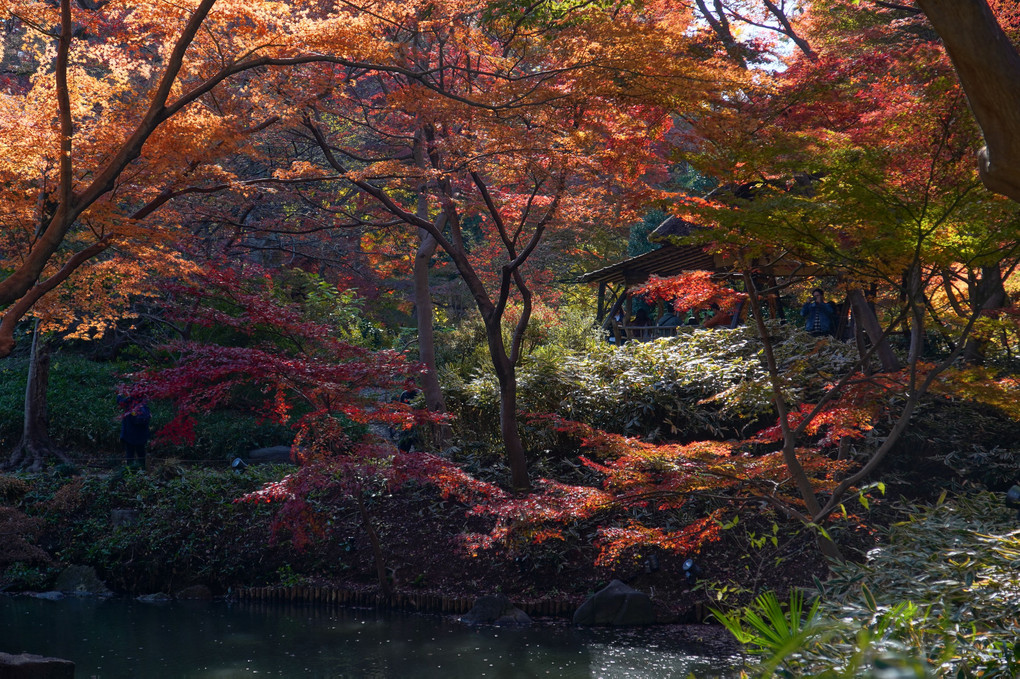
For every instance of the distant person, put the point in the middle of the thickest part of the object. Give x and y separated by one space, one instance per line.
820 316
640 323
134 430
668 320
718 318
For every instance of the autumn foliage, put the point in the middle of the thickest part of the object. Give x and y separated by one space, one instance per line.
492 141
691 290
663 480
270 358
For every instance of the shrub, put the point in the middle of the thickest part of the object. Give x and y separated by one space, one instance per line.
189 529
939 599
700 384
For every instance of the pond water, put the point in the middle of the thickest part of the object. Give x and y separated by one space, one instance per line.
119 638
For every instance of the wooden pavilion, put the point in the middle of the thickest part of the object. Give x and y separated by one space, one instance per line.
616 281
670 259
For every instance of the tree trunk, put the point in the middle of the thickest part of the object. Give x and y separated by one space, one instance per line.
915 292
865 317
426 332
511 435
506 374
427 245
988 293
35 445
988 66
826 546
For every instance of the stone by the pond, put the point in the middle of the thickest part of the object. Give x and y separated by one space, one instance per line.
82 581
495 610
123 517
616 604
195 592
28 666
157 598
274 454
48 596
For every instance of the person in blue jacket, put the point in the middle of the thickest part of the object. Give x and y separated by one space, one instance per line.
134 430
820 315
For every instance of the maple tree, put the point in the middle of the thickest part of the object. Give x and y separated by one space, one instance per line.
300 368
272 360
860 166
111 111
526 125
691 290
750 31
658 482
979 36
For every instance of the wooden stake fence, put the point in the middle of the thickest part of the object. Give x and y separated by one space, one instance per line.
419 602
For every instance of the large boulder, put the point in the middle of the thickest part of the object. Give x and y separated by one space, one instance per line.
272 454
195 593
81 581
495 610
28 666
616 604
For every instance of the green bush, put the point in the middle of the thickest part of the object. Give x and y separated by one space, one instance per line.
21 577
938 599
700 384
189 528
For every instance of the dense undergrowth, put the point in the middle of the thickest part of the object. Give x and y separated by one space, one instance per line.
184 528
939 598
669 395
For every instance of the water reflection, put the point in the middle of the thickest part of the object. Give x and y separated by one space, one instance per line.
189 640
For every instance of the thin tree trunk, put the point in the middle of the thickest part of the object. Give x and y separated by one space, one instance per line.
988 293
35 445
915 292
865 316
862 341
826 546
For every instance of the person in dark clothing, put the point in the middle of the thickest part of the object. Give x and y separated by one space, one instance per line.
134 430
820 315
640 323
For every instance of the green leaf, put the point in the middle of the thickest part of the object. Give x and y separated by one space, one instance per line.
869 598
